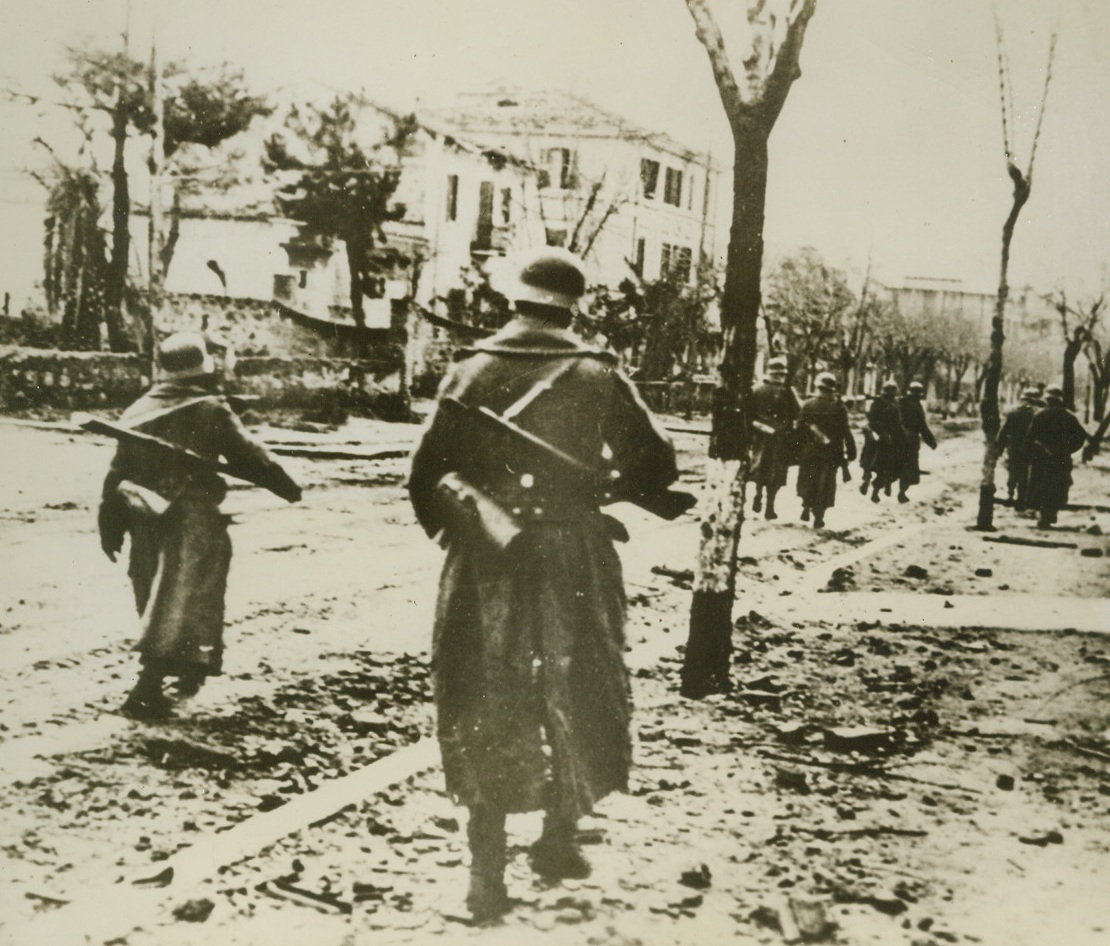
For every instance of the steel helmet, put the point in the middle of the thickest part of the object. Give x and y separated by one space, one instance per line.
185 355
551 276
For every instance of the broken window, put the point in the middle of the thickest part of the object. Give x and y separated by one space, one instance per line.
483 233
649 174
452 197
672 187
641 252
557 162
506 205
675 263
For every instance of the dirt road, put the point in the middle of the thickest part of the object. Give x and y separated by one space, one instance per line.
917 744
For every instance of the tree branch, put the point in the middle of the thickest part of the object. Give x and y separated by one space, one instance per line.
786 69
707 31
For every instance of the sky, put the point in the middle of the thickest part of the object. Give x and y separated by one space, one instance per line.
887 154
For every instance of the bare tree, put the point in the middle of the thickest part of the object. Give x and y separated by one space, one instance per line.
1022 185
1078 326
752 100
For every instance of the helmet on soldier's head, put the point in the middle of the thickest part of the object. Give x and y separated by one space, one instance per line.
550 276
826 381
185 355
1054 393
916 387
890 388
1030 394
777 366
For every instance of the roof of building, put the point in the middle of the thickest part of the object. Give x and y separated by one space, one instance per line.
547 112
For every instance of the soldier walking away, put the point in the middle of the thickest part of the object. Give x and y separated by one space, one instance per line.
1054 435
884 418
915 429
532 432
164 491
774 412
867 458
1011 438
827 447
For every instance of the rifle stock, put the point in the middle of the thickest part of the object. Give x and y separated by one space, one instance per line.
666 503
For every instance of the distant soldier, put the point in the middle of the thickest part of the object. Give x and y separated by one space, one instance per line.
827 447
1011 438
867 458
532 430
884 419
163 489
774 408
1054 435
915 429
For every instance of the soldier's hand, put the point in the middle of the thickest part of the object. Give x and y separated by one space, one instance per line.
112 530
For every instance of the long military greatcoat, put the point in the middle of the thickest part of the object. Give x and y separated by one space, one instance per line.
530 684
1011 438
915 429
180 554
885 422
827 441
1054 435
775 406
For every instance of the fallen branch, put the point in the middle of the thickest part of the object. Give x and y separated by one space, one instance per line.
1035 543
330 453
856 768
1093 753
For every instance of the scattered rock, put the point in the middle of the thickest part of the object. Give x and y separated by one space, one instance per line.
792 780
915 571
1094 530
1043 840
1005 782
859 739
1091 553
984 572
194 911
842 579
810 920
697 878
792 733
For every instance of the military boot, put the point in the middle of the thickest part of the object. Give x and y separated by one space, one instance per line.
555 856
770 513
487 900
146 701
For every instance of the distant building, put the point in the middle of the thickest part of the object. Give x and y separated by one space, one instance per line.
627 199
1028 315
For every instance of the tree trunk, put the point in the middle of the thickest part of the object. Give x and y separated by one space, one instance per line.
988 406
707 660
116 277
1071 352
355 253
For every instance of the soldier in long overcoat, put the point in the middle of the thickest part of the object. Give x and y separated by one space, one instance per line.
531 690
915 429
1054 435
1011 438
169 505
884 419
774 410
827 446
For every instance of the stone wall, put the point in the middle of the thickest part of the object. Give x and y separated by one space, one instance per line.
39 379
32 378
252 327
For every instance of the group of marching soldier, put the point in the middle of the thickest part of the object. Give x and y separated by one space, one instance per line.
816 435
534 432
1039 437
